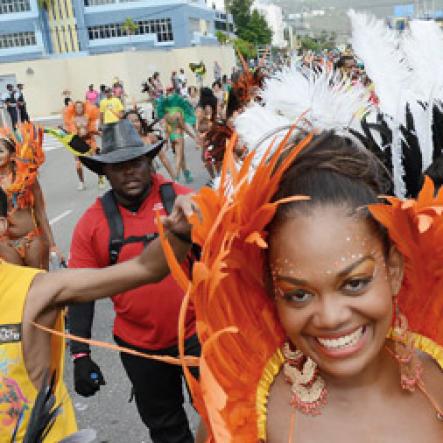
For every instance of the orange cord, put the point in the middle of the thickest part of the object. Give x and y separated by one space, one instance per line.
292 428
186 360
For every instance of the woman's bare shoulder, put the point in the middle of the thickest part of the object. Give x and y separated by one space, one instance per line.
432 378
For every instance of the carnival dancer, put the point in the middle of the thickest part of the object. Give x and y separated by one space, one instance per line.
206 115
28 239
245 90
193 96
341 298
146 318
29 296
179 117
326 323
148 136
81 118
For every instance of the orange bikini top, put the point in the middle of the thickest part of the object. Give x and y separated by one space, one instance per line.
29 156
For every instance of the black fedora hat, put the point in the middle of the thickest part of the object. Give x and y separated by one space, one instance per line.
120 143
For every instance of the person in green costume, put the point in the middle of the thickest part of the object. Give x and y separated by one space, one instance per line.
179 117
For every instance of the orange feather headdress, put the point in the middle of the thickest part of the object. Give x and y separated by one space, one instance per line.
416 228
245 88
236 320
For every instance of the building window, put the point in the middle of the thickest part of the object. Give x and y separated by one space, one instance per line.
161 27
10 6
221 26
105 2
17 39
98 2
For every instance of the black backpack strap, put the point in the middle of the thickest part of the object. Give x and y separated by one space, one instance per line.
115 223
145 239
168 195
117 235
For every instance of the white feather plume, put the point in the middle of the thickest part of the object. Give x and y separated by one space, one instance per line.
423 121
257 121
326 100
378 47
422 46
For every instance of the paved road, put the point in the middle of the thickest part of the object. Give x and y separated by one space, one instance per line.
108 412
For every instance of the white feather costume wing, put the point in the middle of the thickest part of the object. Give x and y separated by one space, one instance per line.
378 47
422 46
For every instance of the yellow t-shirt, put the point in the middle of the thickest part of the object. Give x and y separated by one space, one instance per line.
111 108
17 393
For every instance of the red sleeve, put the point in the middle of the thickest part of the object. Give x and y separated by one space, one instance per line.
82 253
180 189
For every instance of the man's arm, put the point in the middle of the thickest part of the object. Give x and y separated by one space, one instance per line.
57 289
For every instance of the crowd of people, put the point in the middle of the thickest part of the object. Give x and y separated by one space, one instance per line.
298 293
178 109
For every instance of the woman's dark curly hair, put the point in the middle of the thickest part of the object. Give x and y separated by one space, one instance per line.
334 170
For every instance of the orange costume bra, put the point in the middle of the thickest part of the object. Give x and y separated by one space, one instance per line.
29 156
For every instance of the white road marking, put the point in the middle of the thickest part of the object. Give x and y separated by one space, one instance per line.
59 217
51 148
50 143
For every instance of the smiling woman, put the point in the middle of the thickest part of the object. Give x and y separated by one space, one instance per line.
335 279
333 269
301 352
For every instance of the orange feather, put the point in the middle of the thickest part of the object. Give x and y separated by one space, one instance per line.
227 290
416 228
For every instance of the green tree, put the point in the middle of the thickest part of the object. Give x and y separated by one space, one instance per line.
129 26
222 37
241 12
257 30
323 41
245 48
310 44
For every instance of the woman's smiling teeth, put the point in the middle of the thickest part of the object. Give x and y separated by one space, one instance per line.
344 341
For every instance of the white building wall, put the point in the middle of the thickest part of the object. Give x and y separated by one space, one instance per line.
218 4
274 17
46 79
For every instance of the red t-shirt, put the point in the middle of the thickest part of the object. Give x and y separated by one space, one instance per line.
146 317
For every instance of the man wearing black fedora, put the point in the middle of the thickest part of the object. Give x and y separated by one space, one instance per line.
114 229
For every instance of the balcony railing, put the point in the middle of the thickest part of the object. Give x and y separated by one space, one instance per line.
14 6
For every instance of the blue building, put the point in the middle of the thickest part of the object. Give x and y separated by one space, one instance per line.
21 34
67 27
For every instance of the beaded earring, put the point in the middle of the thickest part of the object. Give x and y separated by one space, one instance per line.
410 367
307 387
